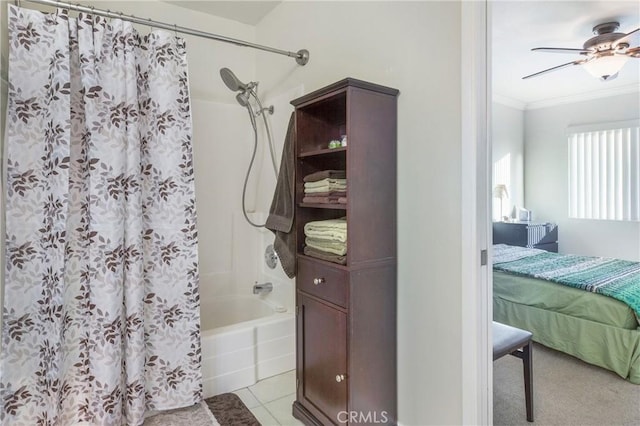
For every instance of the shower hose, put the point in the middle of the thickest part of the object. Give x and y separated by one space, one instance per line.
252 117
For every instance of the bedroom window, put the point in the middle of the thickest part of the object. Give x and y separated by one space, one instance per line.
604 171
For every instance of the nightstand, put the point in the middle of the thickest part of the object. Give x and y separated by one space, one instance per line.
542 236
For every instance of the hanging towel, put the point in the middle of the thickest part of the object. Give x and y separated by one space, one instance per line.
282 212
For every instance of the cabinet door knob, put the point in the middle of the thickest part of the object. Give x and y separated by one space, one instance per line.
340 378
317 281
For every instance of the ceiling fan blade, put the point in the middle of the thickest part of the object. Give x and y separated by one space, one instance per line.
634 52
561 50
554 68
625 38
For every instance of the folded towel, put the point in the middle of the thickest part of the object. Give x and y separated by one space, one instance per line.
319 254
325 182
326 188
328 234
334 229
338 224
334 174
281 219
320 200
329 194
330 246
342 200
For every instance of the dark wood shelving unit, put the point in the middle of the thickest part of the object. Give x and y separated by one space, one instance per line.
346 314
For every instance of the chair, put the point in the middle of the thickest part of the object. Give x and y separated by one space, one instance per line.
517 342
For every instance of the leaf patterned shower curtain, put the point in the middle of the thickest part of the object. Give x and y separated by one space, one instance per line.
101 309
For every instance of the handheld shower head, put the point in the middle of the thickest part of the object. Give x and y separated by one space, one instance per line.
243 98
231 80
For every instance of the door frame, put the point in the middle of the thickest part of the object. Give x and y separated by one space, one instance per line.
477 359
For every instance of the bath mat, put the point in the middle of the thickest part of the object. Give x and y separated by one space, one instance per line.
196 415
229 410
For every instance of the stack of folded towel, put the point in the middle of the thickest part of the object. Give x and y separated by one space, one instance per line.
327 240
325 187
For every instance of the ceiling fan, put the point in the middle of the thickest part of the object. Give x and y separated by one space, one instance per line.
604 55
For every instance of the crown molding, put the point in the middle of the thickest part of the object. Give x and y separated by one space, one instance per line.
598 94
507 101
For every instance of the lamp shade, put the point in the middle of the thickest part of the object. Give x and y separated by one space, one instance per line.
500 191
606 67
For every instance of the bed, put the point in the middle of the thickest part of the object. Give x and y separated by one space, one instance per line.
597 328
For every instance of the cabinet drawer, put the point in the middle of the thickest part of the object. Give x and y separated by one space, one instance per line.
322 281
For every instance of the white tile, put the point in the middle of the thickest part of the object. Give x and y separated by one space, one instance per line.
228 382
264 417
247 398
276 387
280 409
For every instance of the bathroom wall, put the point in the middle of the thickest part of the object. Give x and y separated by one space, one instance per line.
221 152
390 43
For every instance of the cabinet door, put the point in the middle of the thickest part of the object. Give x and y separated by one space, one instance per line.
322 358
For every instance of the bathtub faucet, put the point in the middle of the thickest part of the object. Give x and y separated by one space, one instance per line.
262 288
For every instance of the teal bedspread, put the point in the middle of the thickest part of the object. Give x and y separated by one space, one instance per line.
619 279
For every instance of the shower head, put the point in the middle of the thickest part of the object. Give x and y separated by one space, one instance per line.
243 98
232 81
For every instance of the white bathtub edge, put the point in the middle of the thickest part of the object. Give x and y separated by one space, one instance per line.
270 339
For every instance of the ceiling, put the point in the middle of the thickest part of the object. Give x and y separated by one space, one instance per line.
519 26
247 12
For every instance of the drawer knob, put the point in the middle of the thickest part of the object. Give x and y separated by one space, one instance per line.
340 378
317 281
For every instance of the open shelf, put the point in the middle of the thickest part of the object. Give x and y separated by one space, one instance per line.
325 151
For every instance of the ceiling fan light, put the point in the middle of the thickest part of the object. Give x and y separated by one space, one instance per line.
605 67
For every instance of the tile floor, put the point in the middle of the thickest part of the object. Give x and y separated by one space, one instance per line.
270 399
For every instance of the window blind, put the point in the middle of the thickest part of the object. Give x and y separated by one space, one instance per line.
604 171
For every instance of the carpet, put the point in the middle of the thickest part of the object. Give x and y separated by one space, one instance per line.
566 392
229 410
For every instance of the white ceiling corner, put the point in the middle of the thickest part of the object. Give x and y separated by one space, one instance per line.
247 12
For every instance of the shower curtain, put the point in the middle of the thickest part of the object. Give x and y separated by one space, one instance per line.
101 308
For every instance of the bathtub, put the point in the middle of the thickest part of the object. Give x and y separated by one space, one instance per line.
244 339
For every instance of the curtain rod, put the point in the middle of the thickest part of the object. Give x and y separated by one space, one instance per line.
301 56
